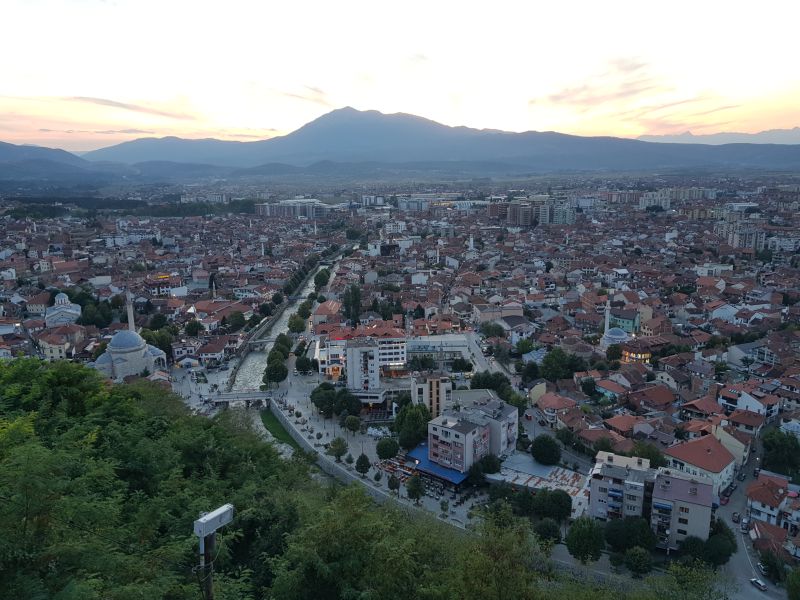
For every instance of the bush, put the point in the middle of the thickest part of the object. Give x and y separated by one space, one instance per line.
548 530
387 448
638 560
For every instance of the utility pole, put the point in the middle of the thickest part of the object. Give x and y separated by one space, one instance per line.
206 529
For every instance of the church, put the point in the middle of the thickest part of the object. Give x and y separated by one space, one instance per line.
129 355
63 312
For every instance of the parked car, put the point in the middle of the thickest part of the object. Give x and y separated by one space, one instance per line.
735 517
762 568
759 584
724 500
741 476
745 526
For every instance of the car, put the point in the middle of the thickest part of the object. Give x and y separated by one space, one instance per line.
745 525
759 584
741 476
732 487
735 517
762 568
724 500
294 372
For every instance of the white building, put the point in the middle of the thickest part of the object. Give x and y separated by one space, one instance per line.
63 312
363 369
704 457
434 390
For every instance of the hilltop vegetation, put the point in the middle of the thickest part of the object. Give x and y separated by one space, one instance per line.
100 484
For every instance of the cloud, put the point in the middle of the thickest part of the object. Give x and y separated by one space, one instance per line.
311 94
127 106
419 57
101 132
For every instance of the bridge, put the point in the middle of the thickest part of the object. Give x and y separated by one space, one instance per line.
241 399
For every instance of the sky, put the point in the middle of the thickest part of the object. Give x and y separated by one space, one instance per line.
83 74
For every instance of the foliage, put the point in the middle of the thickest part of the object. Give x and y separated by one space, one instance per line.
362 464
193 327
529 372
277 298
387 448
774 566
461 365
422 363
337 448
351 303
490 464
546 450
781 452
613 352
793 584
720 545
393 483
321 278
687 581
585 539
649 451
332 401
411 425
297 324
558 364
303 364
548 529
638 560
588 386
235 321
623 534
352 423
275 373
492 329
414 488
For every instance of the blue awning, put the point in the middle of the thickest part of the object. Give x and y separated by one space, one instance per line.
615 493
420 453
662 506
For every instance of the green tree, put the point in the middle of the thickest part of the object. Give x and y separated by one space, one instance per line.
493 329
275 373
693 547
157 321
393 483
649 451
638 560
303 364
411 424
585 539
193 327
387 448
236 321
297 324
546 450
613 352
588 386
352 423
793 584
556 365
321 279
524 346
362 464
547 529
781 452
720 545
338 448
529 372
461 365
277 298
623 534
414 488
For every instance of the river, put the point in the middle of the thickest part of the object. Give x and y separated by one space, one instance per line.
252 369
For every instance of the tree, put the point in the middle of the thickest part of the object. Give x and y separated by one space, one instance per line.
362 464
693 547
547 529
275 373
157 321
411 424
461 365
297 324
530 372
553 504
352 423
720 545
419 312
524 346
546 450
623 534
193 328
321 279
490 464
556 365
414 488
774 566
613 352
266 309
338 448
588 386
638 560
793 584
236 321
781 452
650 452
303 364
387 448
585 539
492 329
393 483
277 298
444 505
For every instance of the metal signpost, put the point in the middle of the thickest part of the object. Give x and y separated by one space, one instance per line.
205 528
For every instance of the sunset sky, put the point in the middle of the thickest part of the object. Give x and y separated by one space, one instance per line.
83 74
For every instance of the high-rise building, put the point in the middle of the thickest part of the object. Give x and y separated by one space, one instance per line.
363 371
433 390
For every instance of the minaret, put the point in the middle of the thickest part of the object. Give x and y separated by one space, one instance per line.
315 228
262 248
131 323
608 314
471 243
214 290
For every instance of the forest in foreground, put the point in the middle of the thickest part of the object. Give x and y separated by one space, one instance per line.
100 485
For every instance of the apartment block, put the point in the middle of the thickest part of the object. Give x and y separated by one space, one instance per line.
363 371
456 443
433 390
619 486
681 506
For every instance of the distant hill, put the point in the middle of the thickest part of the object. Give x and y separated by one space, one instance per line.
15 153
350 136
771 136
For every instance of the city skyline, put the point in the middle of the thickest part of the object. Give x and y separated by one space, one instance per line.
93 73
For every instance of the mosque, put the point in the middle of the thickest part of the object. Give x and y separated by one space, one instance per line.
611 335
128 354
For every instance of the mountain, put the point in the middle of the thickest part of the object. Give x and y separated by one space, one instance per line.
350 136
13 153
771 136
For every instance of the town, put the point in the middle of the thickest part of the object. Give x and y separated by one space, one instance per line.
619 360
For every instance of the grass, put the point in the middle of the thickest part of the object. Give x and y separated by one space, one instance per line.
277 430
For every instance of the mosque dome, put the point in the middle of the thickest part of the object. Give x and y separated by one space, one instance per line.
126 340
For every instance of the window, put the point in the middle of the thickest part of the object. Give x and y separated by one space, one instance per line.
602 490
684 509
631 508
631 497
683 521
681 532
